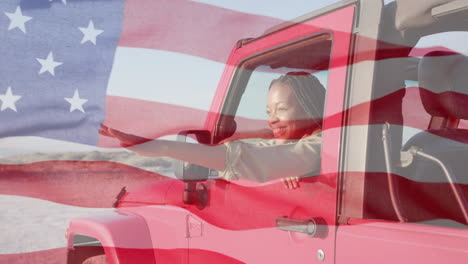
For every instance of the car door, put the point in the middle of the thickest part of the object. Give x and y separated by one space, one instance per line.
266 222
404 185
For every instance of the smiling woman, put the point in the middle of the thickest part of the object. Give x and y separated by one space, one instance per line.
295 111
295 106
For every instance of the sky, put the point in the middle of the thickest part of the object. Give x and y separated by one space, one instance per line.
196 88
136 68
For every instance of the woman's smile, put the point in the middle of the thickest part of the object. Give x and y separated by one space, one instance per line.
278 132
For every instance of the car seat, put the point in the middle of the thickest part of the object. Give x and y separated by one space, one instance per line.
438 156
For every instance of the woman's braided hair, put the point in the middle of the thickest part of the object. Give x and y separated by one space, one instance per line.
309 92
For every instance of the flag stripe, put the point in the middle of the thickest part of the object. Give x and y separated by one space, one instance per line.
197 29
157 119
79 183
165 77
51 256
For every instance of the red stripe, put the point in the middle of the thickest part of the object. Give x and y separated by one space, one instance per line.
77 183
96 184
153 119
51 256
126 255
244 207
188 27
210 32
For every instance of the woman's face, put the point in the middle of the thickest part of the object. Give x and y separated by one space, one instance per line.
286 117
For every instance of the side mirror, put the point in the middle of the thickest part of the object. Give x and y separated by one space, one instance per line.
225 128
194 192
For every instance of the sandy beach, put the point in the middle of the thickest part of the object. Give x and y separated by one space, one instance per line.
41 193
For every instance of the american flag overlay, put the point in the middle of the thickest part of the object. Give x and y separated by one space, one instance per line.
77 74
57 60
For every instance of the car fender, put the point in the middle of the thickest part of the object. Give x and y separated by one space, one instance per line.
124 236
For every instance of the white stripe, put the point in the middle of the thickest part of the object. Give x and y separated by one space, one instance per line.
25 145
166 77
455 41
285 10
28 224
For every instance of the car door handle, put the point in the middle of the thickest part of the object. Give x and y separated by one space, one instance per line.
308 226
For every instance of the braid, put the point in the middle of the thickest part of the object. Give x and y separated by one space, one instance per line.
309 92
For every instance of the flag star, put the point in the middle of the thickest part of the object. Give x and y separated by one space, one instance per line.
9 100
90 33
76 103
63 1
48 64
17 20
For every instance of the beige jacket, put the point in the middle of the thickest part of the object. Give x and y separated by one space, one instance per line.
265 161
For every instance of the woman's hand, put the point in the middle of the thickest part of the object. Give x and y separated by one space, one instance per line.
126 140
291 182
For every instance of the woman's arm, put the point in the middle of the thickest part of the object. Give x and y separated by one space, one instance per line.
213 157
266 162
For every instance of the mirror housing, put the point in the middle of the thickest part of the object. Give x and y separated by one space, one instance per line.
190 172
195 193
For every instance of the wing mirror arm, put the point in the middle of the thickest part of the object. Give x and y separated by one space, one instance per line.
195 192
